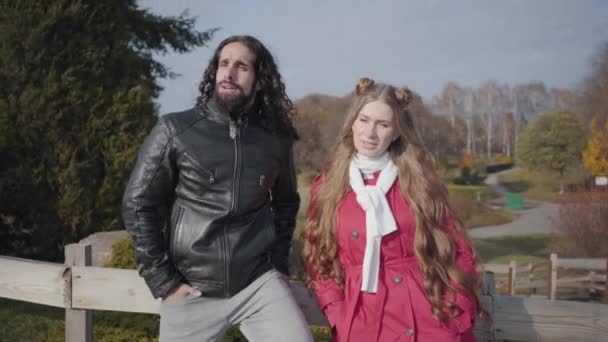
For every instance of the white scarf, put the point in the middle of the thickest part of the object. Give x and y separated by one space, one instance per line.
379 220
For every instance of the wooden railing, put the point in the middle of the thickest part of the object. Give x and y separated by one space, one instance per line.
589 276
80 288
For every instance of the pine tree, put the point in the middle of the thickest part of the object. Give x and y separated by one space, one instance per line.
78 80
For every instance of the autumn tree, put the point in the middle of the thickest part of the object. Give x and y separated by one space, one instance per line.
595 155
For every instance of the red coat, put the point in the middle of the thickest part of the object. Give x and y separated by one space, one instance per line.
399 311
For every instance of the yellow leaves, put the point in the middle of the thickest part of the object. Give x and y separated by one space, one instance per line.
595 155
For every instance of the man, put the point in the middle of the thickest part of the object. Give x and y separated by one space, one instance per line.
211 205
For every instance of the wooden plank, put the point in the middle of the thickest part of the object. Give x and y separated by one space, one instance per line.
512 277
553 276
534 319
573 281
483 330
522 268
531 289
99 288
78 323
606 283
540 264
496 268
33 281
596 264
534 284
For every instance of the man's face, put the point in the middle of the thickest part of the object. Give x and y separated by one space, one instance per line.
235 78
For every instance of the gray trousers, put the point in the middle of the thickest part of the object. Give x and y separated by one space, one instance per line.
264 311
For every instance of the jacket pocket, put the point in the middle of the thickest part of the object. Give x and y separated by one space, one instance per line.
177 230
208 173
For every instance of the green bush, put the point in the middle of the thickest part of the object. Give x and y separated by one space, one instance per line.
123 255
468 176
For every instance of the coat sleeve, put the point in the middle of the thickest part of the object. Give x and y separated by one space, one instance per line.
285 204
329 295
146 197
465 261
464 258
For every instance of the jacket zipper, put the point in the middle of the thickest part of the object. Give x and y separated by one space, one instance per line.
233 205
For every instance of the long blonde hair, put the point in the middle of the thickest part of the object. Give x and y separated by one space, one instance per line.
419 182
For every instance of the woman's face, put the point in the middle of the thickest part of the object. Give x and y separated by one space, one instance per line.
374 129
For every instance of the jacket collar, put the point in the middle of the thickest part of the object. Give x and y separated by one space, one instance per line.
215 113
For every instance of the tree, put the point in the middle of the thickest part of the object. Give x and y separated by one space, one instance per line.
552 141
78 84
595 155
508 133
595 89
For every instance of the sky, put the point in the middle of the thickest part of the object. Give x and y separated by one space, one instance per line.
326 46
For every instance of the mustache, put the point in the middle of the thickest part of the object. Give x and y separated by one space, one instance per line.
230 83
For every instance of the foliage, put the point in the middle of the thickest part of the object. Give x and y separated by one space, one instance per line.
78 83
519 248
583 224
595 155
553 141
123 255
595 87
468 177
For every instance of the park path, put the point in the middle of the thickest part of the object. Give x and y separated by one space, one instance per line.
536 217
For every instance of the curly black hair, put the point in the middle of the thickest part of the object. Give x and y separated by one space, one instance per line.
272 103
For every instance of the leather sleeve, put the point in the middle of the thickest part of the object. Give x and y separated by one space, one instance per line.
285 205
147 196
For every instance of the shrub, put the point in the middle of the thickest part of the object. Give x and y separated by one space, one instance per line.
498 167
582 230
468 176
123 255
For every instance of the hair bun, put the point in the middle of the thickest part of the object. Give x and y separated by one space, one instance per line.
363 85
404 95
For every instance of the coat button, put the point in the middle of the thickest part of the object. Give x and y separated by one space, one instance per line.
398 279
354 235
409 332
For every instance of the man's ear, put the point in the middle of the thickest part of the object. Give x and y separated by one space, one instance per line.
258 86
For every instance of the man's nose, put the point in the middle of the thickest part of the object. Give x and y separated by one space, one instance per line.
229 74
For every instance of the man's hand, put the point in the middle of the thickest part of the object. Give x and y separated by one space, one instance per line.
181 291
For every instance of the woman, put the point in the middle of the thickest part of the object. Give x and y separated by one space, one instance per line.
385 253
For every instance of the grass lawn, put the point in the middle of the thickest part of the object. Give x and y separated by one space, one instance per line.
542 186
519 248
473 213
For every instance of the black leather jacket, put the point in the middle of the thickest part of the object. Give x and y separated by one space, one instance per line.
211 202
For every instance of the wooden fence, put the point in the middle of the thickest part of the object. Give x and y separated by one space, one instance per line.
80 288
586 275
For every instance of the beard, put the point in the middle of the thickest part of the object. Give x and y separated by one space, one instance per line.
233 104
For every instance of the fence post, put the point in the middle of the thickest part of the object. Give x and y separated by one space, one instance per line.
78 323
489 289
553 264
531 290
606 283
489 285
512 277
